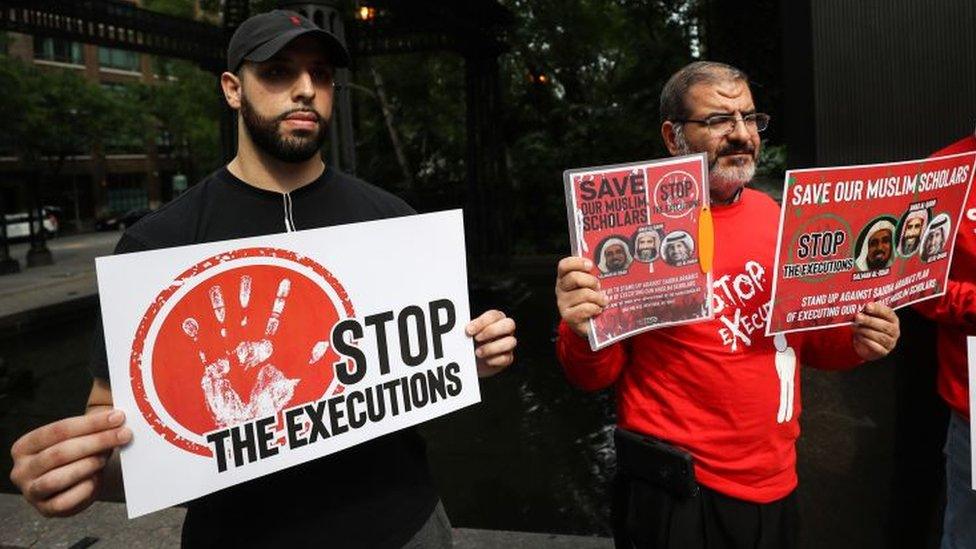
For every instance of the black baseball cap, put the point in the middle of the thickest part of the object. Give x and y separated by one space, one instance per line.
260 37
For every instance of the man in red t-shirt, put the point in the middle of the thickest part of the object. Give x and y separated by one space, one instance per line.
719 391
955 313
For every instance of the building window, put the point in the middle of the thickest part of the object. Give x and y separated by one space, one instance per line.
123 141
57 49
126 192
112 58
164 142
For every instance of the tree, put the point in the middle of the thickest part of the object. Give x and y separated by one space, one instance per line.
604 63
53 115
186 104
414 102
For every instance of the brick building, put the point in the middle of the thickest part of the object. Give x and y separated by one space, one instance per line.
110 177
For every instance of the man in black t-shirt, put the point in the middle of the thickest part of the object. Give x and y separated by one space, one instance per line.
376 494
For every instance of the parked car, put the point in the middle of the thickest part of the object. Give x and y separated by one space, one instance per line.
120 221
17 223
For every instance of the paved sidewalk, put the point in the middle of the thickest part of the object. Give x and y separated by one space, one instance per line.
71 278
104 526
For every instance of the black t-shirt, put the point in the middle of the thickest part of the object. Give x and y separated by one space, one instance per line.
377 494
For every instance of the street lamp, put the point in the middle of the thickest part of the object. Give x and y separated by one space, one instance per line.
366 13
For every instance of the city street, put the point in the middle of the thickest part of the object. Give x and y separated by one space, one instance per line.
71 277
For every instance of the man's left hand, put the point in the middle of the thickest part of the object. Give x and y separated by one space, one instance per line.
494 340
876 331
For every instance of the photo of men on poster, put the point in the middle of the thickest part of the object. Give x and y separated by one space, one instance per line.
647 244
613 256
935 239
911 227
679 249
874 249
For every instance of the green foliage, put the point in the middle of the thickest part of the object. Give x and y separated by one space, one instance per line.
605 63
58 113
425 94
14 109
176 8
187 106
772 160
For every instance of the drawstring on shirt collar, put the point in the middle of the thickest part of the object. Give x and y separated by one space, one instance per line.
289 217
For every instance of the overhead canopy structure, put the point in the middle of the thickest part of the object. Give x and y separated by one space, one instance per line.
401 26
117 25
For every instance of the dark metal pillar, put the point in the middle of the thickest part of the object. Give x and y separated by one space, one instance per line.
800 110
8 265
235 12
38 255
328 14
488 198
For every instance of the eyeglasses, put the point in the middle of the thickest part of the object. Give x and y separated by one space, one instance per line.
724 124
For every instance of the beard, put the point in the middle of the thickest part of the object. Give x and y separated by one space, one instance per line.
265 132
877 261
909 244
677 255
723 181
646 254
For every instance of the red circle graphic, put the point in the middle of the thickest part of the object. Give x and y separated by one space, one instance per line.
246 342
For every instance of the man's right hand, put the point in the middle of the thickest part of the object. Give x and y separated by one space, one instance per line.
58 467
578 294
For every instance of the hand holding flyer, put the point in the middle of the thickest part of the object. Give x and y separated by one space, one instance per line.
857 234
646 229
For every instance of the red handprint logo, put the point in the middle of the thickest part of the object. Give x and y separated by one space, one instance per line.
237 345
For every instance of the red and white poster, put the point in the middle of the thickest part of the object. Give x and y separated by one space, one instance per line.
851 235
239 358
647 228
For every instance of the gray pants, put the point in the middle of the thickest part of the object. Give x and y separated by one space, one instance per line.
435 533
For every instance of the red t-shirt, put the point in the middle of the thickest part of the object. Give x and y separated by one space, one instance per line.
956 310
714 388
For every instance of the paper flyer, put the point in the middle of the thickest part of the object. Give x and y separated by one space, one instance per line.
647 228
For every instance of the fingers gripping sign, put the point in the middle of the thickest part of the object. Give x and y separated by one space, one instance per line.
58 466
494 337
876 331
578 294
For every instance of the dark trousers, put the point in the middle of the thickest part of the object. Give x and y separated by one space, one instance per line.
645 516
918 479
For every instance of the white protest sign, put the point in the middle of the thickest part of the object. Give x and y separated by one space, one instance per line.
971 340
239 358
